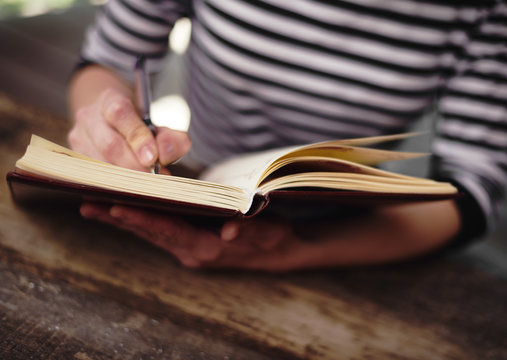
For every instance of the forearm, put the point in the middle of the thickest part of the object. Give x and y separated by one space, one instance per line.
390 234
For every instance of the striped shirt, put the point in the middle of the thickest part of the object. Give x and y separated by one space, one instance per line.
269 73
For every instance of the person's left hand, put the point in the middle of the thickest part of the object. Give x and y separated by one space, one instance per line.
252 244
271 244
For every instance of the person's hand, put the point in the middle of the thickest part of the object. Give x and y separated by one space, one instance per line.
111 130
254 244
108 127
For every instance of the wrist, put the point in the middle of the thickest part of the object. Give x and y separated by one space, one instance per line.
90 82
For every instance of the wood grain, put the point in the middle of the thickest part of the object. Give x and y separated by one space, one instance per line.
424 310
49 320
270 314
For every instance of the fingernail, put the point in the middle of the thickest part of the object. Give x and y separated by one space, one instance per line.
85 211
229 232
147 155
115 212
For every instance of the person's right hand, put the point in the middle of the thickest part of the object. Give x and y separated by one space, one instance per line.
110 129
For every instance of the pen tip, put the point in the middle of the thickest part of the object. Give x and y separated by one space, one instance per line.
155 168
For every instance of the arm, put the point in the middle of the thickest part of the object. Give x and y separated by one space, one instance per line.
390 234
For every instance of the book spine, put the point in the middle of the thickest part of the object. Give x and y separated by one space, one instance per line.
259 203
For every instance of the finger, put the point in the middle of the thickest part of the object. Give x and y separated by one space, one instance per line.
120 113
231 254
172 144
94 210
275 234
169 230
190 245
230 231
133 217
238 250
80 142
261 233
186 259
171 236
207 246
113 147
92 136
103 213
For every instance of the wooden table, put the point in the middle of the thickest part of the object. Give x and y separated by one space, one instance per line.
71 288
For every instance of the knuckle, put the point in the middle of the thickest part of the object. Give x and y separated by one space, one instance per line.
169 236
73 137
118 110
110 146
138 134
108 93
82 115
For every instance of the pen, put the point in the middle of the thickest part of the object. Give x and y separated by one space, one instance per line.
144 101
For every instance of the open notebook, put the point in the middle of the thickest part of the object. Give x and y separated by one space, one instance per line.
241 186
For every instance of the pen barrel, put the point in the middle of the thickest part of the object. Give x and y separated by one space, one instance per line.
143 89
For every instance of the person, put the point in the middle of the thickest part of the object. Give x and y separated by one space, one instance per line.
262 74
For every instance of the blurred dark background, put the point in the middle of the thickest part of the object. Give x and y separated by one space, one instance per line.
39 42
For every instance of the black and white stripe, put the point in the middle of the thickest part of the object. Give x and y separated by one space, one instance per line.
265 73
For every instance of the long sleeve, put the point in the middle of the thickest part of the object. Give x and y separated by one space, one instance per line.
471 144
125 29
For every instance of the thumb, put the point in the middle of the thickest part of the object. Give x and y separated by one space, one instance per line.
230 231
172 144
120 113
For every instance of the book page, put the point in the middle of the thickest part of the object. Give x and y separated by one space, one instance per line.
47 159
372 140
357 182
365 156
309 164
248 171
245 171
39 142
